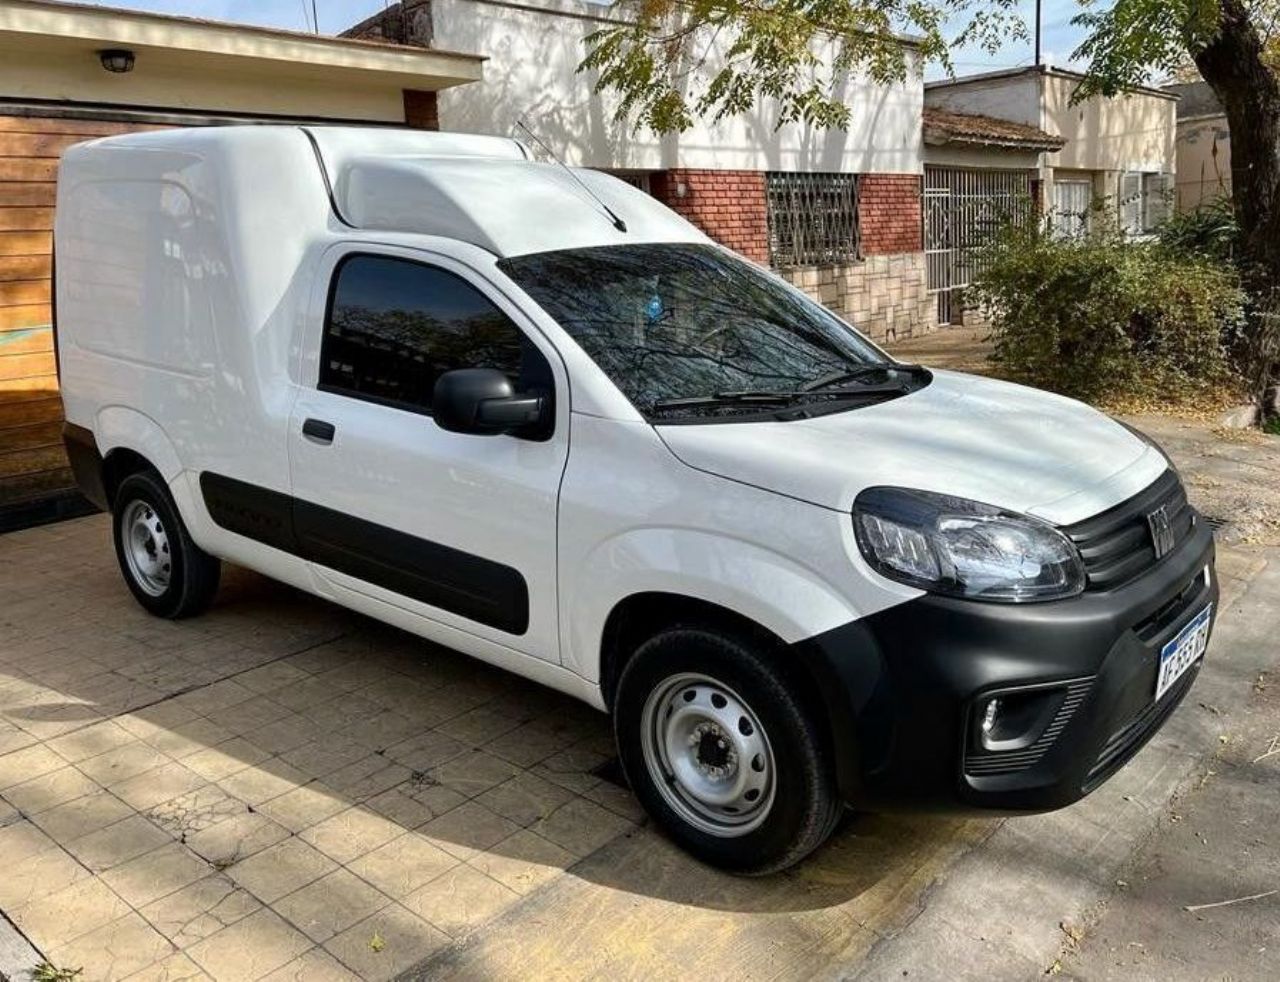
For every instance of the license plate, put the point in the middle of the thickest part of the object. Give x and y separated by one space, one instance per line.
1181 653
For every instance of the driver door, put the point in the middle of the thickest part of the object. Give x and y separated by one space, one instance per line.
457 529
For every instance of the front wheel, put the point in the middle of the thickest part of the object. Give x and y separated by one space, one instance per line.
165 570
724 751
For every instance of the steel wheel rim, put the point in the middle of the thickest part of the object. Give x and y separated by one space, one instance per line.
708 755
145 543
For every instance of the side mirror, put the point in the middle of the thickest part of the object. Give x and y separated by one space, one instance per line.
482 401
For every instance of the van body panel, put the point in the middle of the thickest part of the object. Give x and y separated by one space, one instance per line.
644 522
1002 444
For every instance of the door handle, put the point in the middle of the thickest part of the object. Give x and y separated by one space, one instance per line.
318 430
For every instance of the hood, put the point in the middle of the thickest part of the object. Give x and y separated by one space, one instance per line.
1002 444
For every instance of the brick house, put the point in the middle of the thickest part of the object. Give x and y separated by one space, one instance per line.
836 212
70 72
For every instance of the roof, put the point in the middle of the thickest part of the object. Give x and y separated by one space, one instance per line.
57 24
482 190
507 206
1045 70
943 126
1195 99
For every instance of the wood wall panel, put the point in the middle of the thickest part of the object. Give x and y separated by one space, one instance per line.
32 460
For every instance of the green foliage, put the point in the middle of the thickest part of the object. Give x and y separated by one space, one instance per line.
1211 231
1131 41
46 972
1104 318
669 62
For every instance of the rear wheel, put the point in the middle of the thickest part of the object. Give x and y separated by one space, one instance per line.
165 570
723 751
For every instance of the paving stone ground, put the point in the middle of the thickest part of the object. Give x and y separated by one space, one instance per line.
282 789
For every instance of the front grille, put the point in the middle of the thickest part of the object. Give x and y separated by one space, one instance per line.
1128 740
992 763
1117 546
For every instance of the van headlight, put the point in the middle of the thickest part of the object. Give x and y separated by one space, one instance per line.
964 548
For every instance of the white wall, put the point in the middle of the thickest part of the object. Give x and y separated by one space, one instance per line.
531 73
1204 161
1130 132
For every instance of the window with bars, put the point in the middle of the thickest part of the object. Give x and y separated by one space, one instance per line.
813 219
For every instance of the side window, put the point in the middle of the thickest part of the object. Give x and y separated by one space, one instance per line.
394 326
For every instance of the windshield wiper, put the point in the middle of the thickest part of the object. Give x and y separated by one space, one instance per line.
747 396
765 397
857 374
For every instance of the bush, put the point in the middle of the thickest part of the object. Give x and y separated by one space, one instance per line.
1105 318
1210 231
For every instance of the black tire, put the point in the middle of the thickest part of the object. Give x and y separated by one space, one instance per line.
805 804
191 573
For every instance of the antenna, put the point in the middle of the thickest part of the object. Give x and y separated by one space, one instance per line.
618 223
1038 59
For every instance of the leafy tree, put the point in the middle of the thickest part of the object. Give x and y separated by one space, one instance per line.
659 63
657 60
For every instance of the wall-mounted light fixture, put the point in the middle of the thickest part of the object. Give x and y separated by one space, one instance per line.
682 189
118 60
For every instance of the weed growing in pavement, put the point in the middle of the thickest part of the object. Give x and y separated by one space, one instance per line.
45 972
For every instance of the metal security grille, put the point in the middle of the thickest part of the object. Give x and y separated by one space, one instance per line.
963 211
813 219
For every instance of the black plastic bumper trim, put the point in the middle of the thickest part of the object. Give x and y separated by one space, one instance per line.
899 686
86 463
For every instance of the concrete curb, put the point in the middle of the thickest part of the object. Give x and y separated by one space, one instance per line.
17 958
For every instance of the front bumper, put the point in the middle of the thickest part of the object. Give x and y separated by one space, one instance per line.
905 688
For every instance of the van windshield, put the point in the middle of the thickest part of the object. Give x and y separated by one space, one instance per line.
690 330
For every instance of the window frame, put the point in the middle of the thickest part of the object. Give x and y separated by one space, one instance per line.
331 292
1145 225
1082 222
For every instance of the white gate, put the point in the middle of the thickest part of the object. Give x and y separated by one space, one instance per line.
963 209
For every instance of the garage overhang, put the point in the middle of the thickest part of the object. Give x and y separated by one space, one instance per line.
51 51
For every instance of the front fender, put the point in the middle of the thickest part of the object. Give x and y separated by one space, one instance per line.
764 586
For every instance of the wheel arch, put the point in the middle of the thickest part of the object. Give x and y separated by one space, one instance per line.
833 671
134 436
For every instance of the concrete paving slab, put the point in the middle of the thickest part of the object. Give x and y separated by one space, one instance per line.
281 788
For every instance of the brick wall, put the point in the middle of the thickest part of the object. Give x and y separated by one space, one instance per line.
728 205
421 110
890 215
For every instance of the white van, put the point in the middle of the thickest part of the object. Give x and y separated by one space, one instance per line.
533 415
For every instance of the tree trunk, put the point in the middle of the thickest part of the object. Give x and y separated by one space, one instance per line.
1233 66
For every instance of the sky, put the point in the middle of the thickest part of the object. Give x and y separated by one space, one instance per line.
1060 38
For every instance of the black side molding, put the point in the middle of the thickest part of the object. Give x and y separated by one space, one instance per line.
479 589
255 512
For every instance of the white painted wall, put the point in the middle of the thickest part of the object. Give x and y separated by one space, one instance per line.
534 52
1204 161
